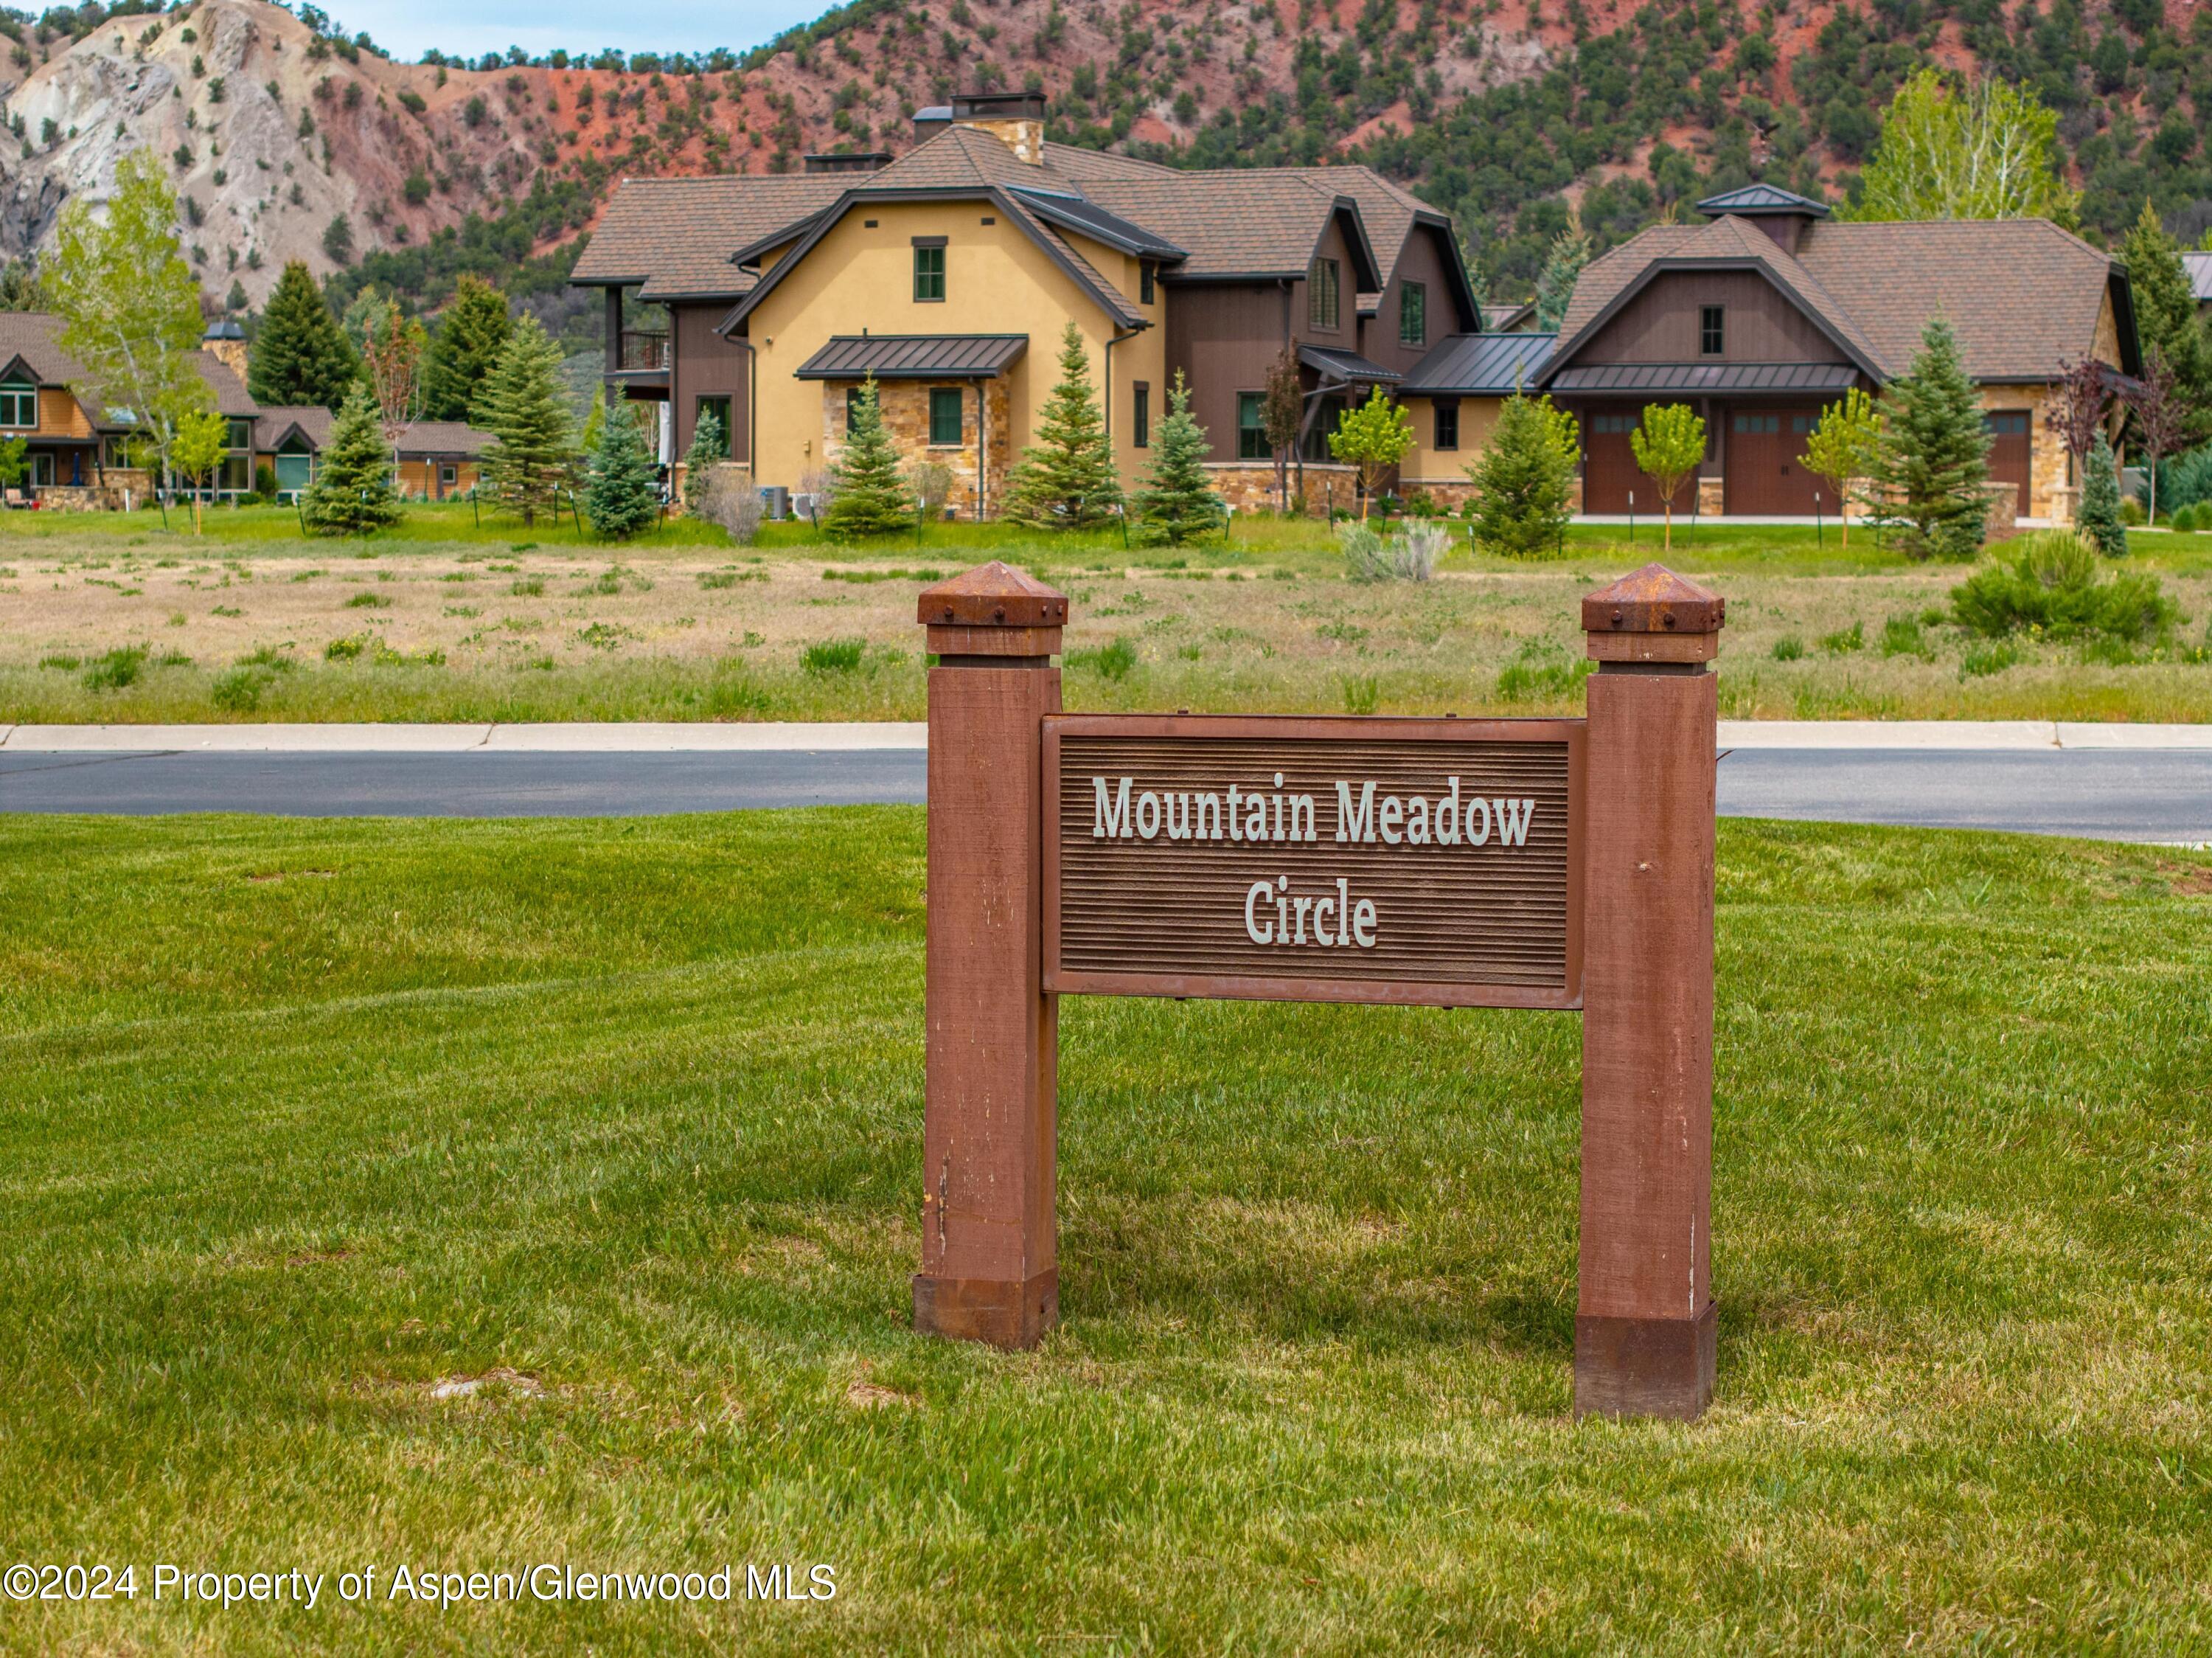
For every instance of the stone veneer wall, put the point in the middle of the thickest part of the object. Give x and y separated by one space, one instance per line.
1249 486
905 405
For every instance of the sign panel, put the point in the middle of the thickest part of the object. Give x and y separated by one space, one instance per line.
1436 861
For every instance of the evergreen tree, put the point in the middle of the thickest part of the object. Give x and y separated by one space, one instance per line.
1562 268
1066 480
2099 519
1177 502
470 336
301 355
623 497
2166 318
1932 463
710 447
1522 479
870 496
522 403
352 493
594 418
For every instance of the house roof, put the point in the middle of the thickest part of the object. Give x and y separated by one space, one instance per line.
1755 200
312 422
231 397
1478 365
2022 294
915 356
279 421
1691 379
673 237
34 336
1347 367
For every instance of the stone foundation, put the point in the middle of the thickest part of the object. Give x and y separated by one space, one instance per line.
1712 495
905 406
1450 494
1249 486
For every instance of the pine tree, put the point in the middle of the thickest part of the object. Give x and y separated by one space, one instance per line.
2166 317
2099 519
1522 477
301 354
623 497
1066 480
710 447
534 451
470 336
1177 502
870 496
352 493
1932 464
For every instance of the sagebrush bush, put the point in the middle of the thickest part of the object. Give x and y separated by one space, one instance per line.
2050 587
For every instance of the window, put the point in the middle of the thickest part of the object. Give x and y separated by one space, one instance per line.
1251 428
1145 284
719 407
1613 423
1322 293
852 407
2005 425
1413 313
1712 337
1332 411
1756 425
448 476
235 477
1801 425
19 405
928 270
1447 428
239 435
1143 411
944 416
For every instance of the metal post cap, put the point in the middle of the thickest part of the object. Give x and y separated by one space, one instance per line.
1653 600
994 610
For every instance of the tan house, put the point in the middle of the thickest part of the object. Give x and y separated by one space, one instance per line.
437 458
949 273
1452 396
1770 311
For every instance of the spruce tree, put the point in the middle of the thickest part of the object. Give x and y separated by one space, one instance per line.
1563 269
352 493
623 497
2166 317
1066 480
301 356
870 496
2099 519
470 336
1523 477
1178 501
710 447
1932 464
532 454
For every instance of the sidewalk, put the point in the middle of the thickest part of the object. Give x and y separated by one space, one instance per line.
763 737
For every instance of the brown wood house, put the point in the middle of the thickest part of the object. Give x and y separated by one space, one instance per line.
950 272
1771 310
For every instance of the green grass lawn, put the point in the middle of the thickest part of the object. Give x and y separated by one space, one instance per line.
303 1118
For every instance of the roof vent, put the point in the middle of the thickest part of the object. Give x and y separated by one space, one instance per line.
849 161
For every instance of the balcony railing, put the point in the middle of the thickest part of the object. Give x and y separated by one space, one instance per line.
641 350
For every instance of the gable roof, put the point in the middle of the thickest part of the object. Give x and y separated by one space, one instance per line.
231 397
673 237
279 422
2022 294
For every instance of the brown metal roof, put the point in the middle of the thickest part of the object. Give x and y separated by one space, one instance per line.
913 357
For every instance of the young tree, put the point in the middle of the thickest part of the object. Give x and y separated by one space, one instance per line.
2078 406
710 447
14 462
301 356
338 241
1066 480
1669 442
472 334
129 307
2099 518
352 493
1978 148
594 417
622 496
1282 413
1177 502
1374 437
532 454
391 353
1932 464
1562 268
1841 449
1523 478
2166 319
2156 408
868 493
202 438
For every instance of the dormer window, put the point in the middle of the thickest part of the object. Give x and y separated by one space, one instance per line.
19 405
1712 333
1321 289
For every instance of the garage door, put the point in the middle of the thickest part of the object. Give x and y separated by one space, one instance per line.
2008 450
1610 475
1764 476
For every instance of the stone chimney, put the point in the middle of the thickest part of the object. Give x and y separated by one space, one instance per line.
225 341
1016 119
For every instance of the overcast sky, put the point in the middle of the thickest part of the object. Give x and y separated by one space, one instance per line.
408 28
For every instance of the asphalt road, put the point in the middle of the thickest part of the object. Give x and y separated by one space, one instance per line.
2152 795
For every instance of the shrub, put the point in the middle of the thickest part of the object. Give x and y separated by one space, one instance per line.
2131 512
120 667
2186 479
369 601
734 505
2051 586
238 690
346 649
1364 558
2184 520
1415 550
530 587
932 482
832 656
1542 673
1789 649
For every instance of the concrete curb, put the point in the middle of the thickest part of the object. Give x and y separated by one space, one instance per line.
852 736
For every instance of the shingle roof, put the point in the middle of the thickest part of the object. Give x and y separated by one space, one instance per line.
913 357
231 397
1231 223
960 156
1478 365
443 437
277 421
2022 294
34 336
675 236
417 437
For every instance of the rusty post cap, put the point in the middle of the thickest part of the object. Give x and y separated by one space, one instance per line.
995 595
1653 600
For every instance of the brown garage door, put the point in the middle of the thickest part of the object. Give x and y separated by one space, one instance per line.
2008 450
1609 471
1764 476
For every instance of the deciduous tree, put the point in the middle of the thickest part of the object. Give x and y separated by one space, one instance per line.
1374 437
1282 414
391 356
2156 408
1965 148
1669 442
1841 449
203 438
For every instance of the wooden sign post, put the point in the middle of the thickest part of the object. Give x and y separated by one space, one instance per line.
1552 863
